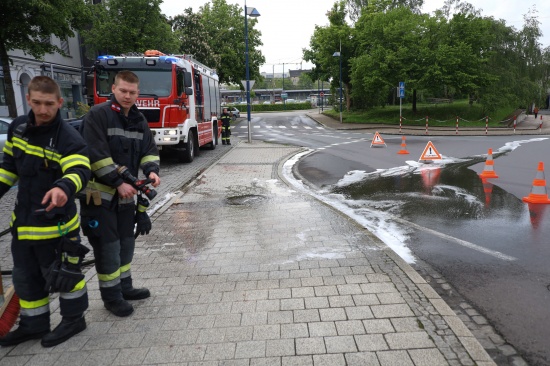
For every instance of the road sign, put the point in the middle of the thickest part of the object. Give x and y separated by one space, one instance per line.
377 140
402 85
401 91
251 82
284 95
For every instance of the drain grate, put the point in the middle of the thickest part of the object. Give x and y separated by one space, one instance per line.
249 199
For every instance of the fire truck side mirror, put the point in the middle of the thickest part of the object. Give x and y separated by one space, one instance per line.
177 101
189 91
187 79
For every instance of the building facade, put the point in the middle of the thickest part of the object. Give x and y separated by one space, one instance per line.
66 70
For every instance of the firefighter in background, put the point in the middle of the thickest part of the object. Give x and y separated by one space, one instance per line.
226 127
117 135
50 160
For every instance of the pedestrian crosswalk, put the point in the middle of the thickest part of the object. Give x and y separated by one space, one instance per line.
269 127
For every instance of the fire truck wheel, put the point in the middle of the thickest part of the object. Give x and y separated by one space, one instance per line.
188 154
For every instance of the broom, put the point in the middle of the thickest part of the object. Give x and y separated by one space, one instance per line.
9 302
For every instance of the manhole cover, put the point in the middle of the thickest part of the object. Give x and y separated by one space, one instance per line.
248 199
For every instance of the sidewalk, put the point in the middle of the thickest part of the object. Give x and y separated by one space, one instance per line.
246 271
526 125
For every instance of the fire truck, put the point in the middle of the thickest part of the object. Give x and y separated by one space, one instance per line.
178 96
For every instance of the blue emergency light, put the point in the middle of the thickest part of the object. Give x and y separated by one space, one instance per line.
168 59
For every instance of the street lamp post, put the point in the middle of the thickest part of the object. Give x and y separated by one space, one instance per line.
339 54
253 13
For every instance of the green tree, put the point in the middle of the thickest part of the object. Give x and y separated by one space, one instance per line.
121 26
26 23
218 28
337 37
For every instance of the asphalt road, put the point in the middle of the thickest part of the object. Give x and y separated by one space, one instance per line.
481 237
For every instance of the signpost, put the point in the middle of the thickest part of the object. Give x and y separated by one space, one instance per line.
401 95
322 97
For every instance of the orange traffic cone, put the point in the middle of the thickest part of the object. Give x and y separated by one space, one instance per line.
403 146
538 192
488 190
489 171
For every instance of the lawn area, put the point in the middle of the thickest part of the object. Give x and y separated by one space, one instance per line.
443 114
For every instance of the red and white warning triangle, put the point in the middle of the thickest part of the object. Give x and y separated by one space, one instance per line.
430 153
377 140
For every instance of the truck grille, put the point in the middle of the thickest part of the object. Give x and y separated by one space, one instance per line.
152 115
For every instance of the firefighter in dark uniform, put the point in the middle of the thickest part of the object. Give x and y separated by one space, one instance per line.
49 160
118 136
226 127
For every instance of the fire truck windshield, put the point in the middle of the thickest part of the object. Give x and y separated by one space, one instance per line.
151 82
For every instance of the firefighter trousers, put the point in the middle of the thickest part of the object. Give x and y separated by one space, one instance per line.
31 260
111 234
226 133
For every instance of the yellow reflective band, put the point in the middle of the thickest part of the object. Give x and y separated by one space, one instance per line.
79 286
8 177
109 277
101 187
34 304
35 150
73 160
8 148
102 163
75 178
125 268
149 158
48 232
12 220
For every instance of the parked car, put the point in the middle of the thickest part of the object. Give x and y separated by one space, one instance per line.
234 112
4 125
75 122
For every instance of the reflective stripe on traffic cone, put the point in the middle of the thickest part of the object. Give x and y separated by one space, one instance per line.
538 192
488 170
536 214
403 146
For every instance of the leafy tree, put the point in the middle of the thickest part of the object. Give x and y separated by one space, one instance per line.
324 43
26 23
218 29
121 26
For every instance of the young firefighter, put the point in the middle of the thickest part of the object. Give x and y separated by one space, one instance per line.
226 127
50 160
118 136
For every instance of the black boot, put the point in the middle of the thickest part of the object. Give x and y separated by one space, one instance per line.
223 142
120 307
65 330
20 335
228 142
129 292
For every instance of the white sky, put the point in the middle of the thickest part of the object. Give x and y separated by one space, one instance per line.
287 25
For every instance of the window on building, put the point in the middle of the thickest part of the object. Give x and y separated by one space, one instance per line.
65 47
45 39
2 92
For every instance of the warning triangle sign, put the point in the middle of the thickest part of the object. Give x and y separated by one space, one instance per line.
377 140
430 153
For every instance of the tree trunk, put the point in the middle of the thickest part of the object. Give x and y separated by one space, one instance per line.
414 101
8 82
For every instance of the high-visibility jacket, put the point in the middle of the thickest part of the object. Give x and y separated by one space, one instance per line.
116 140
226 119
41 158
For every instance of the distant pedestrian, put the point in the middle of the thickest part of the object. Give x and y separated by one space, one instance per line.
536 111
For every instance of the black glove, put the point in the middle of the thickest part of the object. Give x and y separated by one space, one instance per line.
143 222
65 273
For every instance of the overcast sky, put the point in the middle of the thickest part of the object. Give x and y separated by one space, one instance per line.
287 25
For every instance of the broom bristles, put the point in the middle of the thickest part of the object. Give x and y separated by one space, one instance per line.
9 311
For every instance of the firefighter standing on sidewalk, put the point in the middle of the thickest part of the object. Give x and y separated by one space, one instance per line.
49 159
226 127
118 135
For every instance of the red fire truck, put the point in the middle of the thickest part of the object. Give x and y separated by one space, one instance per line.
178 95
